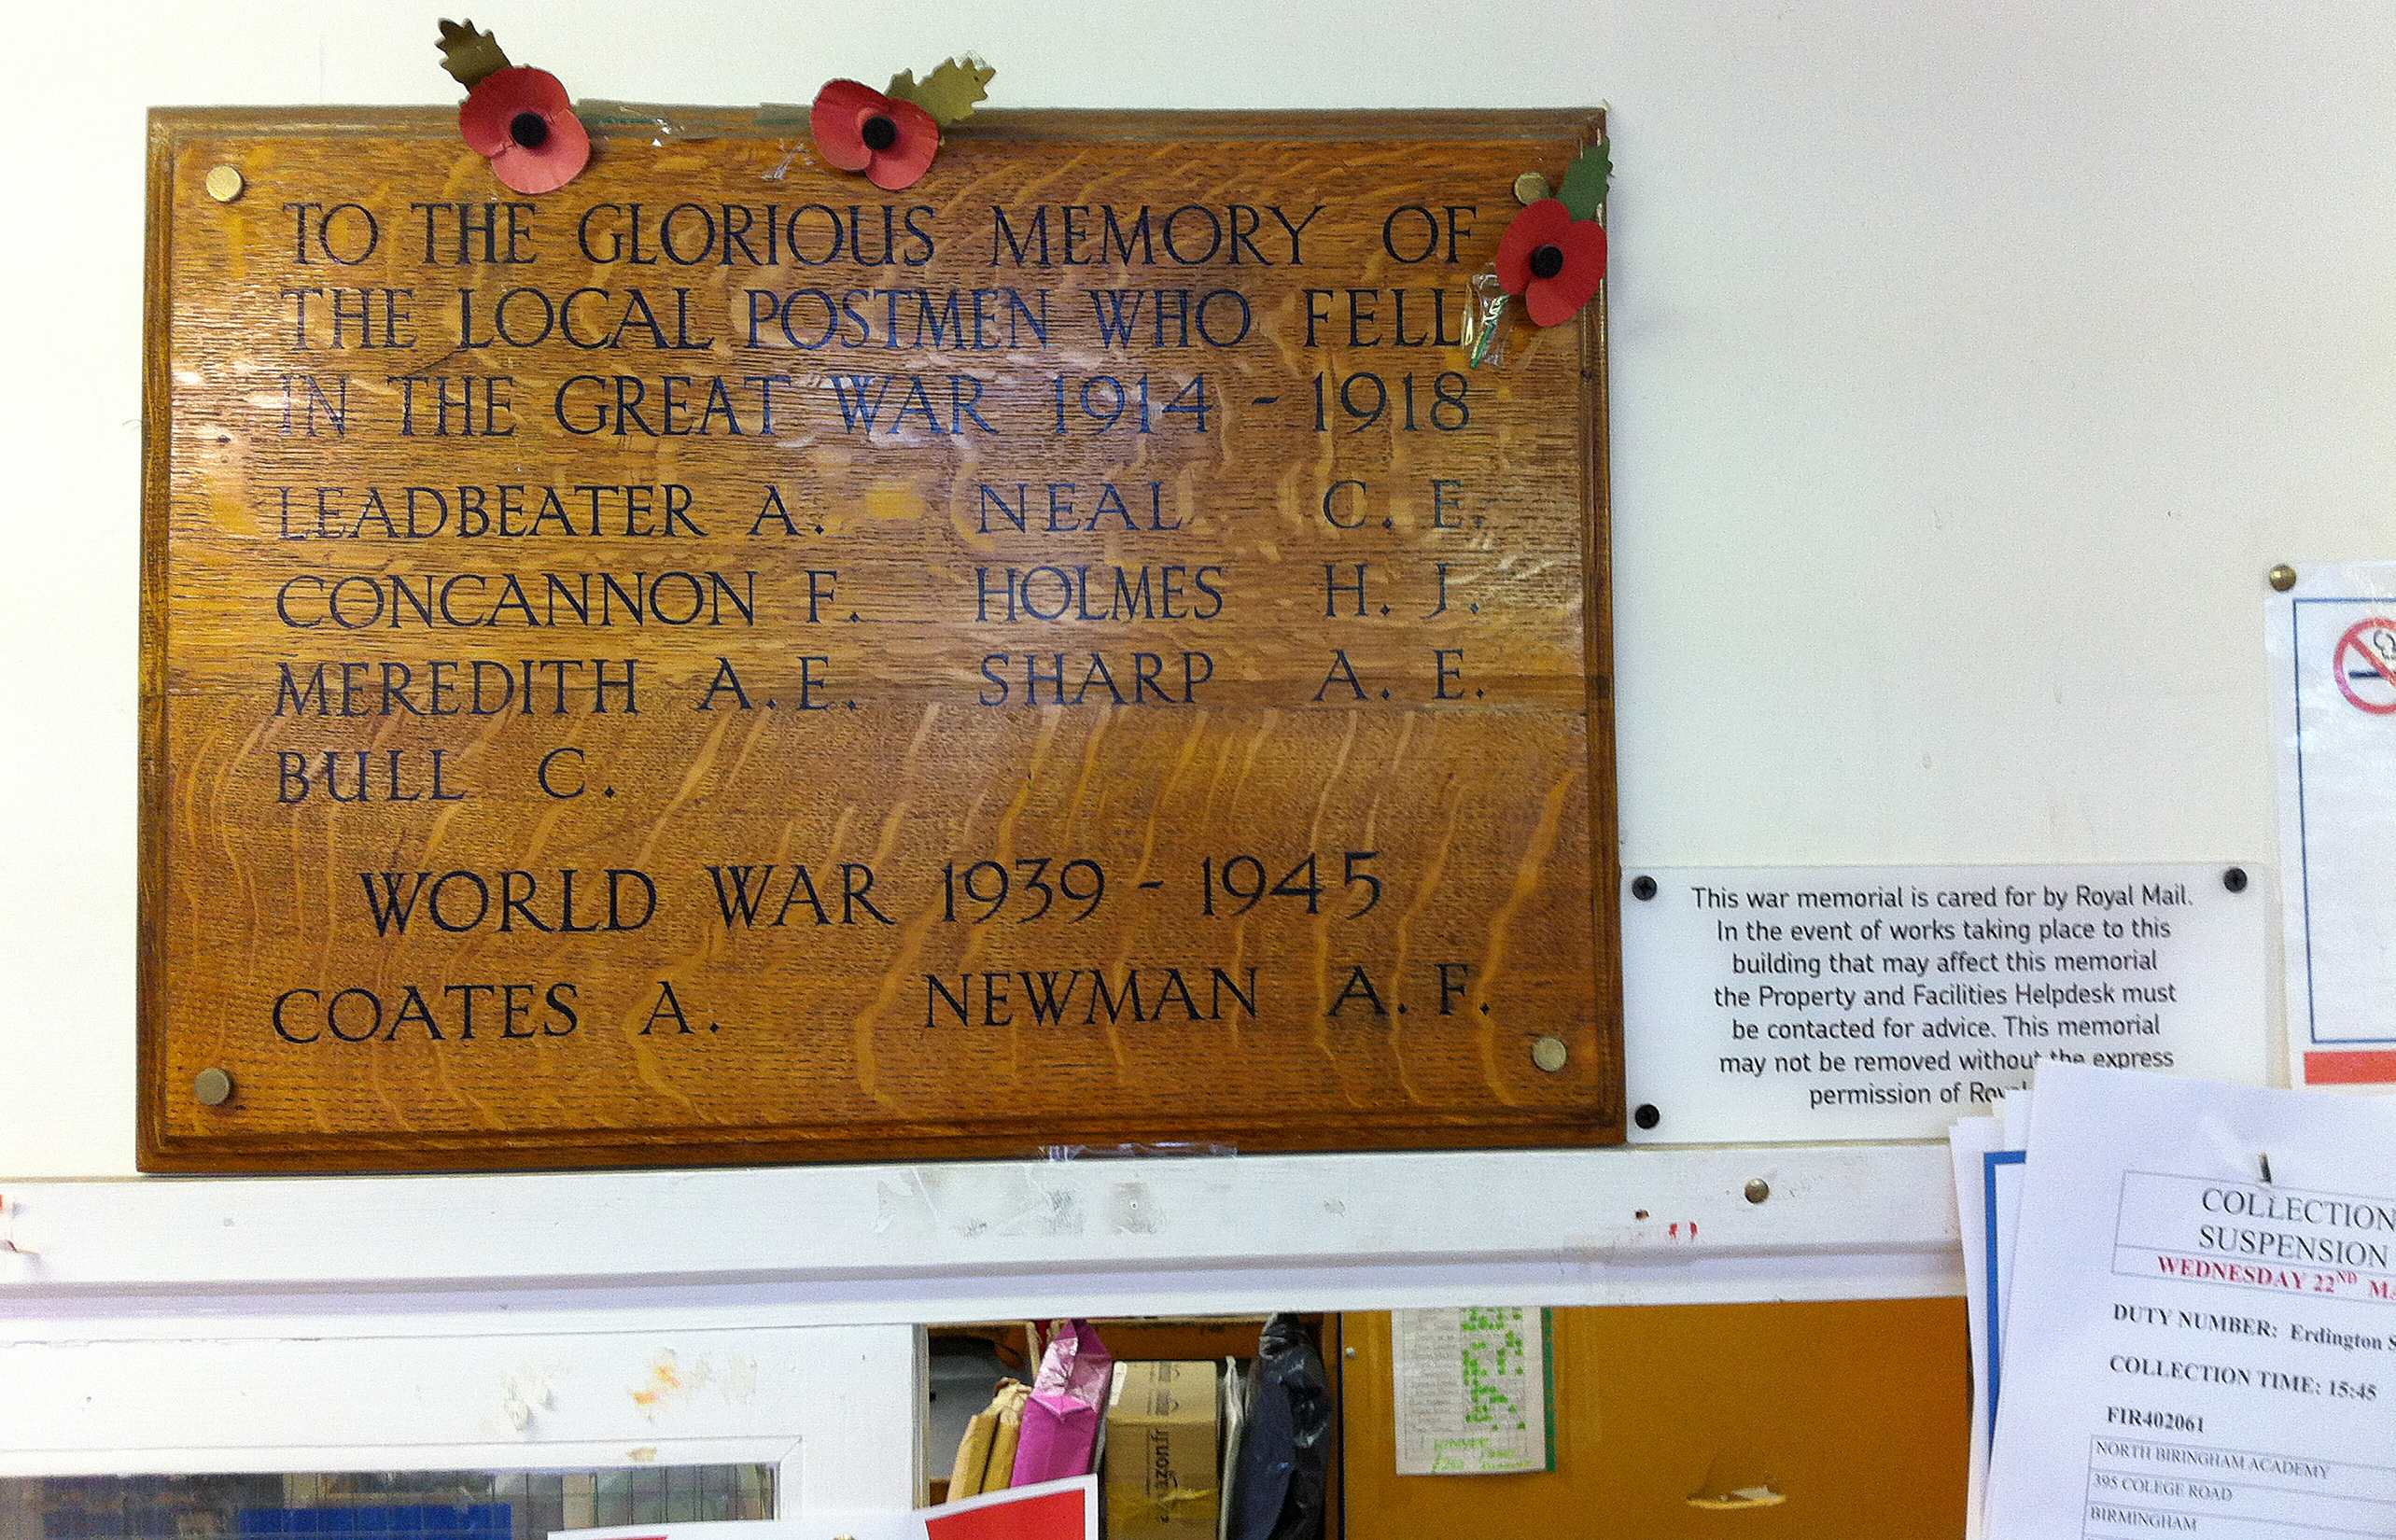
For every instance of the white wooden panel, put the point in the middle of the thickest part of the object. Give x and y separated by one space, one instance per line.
832 1406
1002 1239
314 1324
863 1419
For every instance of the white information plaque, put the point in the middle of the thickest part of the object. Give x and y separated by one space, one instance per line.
1835 1002
2332 645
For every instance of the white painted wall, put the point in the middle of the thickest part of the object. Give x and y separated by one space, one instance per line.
1970 365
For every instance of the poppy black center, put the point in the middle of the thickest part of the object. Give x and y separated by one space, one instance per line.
529 129
1547 262
878 133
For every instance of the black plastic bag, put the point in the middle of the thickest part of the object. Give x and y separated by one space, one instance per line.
1285 1464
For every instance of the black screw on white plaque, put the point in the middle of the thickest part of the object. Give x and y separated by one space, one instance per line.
1647 1116
2234 879
1643 888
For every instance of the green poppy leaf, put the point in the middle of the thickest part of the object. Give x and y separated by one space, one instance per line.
1583 190
469 55
949 91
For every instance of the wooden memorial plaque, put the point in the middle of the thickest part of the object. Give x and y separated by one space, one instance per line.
722 663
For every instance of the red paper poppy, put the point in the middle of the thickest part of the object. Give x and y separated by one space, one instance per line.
1553 260
522 121
859 129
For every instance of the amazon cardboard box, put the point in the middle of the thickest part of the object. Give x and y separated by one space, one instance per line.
1163 1479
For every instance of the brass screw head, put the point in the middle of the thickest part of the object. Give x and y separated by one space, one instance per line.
1758 1189
1530 187
224 184
1550 1053
2282 578
213 1087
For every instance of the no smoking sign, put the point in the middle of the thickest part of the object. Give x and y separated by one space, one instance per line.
2365 664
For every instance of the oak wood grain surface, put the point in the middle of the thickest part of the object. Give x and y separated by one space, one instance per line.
723 664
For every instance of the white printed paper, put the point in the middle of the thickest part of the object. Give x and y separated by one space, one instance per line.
1470 1392
2332 650
1883 1003
2190 1348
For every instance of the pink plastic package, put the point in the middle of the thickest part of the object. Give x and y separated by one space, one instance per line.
1060 1422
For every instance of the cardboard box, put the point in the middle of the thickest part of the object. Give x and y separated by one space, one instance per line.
1163 1476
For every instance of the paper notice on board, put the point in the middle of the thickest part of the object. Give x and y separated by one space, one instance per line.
1885 1002
1472 1391
2194 1345
2332 642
